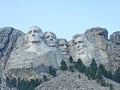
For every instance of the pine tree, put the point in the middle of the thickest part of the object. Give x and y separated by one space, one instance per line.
63 65
71 68
93 69
8 82
80 66
98 75
111 87
87 72
14 82
117 75
103 70
71 59
45 78
109 75
52 71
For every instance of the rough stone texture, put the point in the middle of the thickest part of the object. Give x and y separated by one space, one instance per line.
30 59
70 81
115 37
97 44
79 49
8 38
101 49
32 56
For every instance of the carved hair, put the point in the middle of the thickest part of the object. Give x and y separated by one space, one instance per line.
49 32
31 28
61 39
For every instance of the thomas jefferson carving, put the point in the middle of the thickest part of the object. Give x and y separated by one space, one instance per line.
50 39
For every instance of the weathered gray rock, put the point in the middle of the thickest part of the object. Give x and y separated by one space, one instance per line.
32 53
115 37
98 44
80 49
101 49
8 38
71 81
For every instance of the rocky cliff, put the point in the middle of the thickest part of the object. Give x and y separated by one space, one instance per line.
8 39
29 55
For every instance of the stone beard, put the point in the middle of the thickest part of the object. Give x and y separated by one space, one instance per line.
50 39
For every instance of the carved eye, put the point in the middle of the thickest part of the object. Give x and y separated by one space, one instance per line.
29 32
47 37
61 44
53 37
80 41
36 31
75 43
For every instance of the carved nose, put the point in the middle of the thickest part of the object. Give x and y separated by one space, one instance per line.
65 46
78 46
51 38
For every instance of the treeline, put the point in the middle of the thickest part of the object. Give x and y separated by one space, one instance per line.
22 84
25 84
93 72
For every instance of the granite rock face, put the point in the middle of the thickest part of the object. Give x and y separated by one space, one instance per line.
36 48
29 55
8 38
71 81
103 50
97 39
33 53
115 37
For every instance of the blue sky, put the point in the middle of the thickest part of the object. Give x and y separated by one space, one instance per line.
63 17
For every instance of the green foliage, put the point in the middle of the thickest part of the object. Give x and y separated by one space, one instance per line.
111 87
98 75
22 84
87 72
79 76
52 71
8 82
110 75
93 69
11 82
45 78
80 66
71 59
71 68
117 75
63 66
103 70
102 82
28 85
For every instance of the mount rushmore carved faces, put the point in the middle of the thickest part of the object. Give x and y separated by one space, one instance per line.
34 35
63 46
79 44
35 41
50 39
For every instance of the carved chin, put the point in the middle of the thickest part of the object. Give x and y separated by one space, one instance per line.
51 44
35 40
64 53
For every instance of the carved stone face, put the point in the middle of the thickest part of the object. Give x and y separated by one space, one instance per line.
35 34
50 39
79 43
63 46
